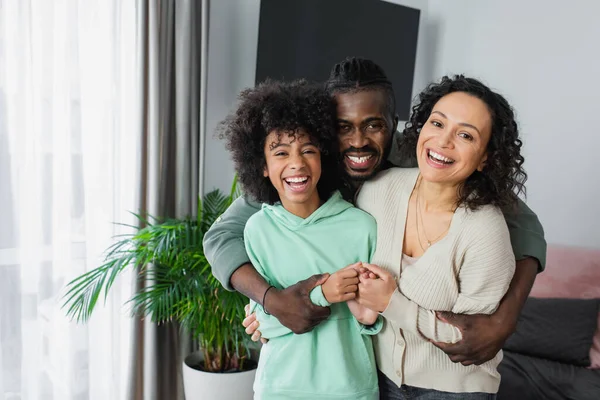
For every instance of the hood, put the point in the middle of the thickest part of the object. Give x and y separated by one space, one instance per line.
334 206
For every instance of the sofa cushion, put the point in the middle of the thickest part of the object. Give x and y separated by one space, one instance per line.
574 273
531 378
556 329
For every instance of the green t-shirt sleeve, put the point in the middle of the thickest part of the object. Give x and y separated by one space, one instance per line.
526 234
224 242
318 298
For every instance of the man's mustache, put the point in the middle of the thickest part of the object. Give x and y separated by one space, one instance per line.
365 149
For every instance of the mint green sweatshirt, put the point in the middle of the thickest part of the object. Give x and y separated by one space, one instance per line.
335 360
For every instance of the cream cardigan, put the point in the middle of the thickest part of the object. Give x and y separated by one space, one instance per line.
466 272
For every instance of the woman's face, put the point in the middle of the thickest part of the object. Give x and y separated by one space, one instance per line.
452 143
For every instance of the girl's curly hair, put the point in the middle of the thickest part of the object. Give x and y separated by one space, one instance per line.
285 107
503 176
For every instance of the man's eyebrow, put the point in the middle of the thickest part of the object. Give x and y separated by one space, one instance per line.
369 119
466 125
373 119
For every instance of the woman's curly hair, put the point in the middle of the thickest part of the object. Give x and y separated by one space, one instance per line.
285 107
503 176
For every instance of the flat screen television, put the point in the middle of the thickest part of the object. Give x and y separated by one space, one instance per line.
305 38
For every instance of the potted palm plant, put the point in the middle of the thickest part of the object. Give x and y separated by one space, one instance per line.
180 287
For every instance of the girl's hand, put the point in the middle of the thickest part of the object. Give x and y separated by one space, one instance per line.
251 325
342 285
375 293
362 314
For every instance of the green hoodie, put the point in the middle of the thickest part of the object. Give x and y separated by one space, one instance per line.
335 360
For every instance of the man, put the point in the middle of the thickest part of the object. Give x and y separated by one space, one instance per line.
367 128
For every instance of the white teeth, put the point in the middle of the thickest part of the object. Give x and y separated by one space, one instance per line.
360 160
298 179
440 157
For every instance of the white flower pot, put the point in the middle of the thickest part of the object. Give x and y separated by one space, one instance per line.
200 385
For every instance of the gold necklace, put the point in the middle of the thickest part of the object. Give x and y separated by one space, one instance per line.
419 217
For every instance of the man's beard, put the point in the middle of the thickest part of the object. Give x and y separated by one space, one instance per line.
381 162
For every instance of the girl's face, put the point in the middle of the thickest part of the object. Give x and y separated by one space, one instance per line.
452 143
293 165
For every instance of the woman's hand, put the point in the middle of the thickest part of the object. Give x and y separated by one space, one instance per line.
362 314
375 293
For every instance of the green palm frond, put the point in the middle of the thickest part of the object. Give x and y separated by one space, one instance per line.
177 283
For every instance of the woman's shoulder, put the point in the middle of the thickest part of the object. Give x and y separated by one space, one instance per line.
387 188
394 175
486 221
392 178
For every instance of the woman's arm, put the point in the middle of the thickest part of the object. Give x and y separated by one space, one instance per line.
487 268
382 295
484 335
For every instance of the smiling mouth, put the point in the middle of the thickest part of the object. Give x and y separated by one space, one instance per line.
360 162
297 183
438 158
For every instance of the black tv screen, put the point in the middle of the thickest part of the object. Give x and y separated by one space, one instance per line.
305 38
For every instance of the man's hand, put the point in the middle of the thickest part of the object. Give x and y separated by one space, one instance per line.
342 285
484 335
294 309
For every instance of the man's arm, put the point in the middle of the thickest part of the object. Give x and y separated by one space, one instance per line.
225 251
484 335
224 244
526 234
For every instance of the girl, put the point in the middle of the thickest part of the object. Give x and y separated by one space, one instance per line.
284 145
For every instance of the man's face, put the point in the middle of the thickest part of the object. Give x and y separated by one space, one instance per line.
365 132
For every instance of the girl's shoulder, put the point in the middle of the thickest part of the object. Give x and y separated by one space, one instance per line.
359 218
393 176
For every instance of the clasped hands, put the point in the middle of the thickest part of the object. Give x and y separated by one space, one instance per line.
366 288
367 284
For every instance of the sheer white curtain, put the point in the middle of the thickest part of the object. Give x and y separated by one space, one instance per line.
69 147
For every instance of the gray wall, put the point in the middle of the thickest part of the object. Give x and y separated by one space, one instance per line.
543 56
233 38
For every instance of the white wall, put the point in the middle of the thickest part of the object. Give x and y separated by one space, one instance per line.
543 56
233 38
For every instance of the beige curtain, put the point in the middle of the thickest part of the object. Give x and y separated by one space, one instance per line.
170 65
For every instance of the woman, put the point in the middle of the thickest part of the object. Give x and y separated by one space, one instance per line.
456 253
